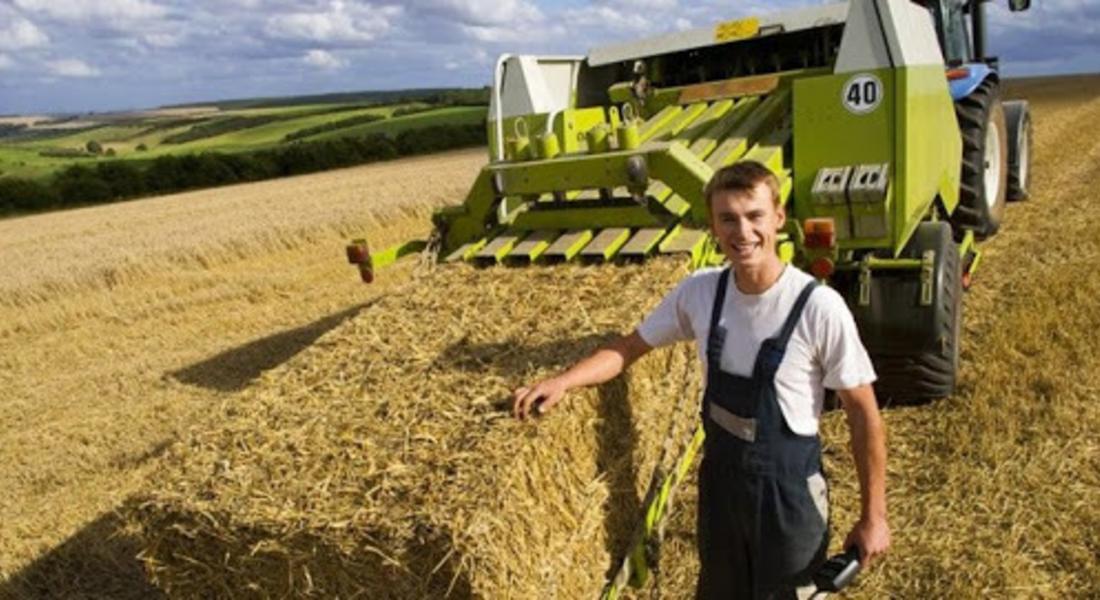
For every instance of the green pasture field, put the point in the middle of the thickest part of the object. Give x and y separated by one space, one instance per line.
21 158
455 115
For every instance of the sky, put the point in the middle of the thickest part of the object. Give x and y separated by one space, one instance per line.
98 55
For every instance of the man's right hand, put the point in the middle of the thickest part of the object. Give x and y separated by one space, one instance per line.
538 398
601 366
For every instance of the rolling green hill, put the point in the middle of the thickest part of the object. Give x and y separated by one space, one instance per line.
231 127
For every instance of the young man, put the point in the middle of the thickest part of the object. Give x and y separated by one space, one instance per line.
772 340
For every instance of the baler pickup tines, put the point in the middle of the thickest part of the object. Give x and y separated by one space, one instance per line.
622 202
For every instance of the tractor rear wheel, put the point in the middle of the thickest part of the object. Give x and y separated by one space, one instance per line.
915 347
1018 120
984 174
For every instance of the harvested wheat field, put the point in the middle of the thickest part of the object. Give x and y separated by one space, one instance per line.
122 325
265 426
384 463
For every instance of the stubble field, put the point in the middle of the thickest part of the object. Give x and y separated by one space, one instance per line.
123 327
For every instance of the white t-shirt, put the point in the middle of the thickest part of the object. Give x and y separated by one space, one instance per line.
824 351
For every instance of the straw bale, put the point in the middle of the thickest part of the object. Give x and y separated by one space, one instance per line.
384 461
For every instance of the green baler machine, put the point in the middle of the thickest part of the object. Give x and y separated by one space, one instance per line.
882 119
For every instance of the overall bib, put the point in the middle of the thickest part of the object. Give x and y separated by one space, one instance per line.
762 521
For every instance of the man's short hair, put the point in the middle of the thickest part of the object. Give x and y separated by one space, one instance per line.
741 178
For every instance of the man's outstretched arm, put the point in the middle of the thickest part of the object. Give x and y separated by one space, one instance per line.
871 534
602 365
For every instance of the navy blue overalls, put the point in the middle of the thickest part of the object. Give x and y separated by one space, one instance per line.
761 529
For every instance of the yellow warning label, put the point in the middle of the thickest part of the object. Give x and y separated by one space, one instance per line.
728 31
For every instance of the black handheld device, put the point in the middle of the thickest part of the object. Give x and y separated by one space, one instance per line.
838 571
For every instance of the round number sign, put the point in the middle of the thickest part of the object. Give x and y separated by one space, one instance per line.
862 94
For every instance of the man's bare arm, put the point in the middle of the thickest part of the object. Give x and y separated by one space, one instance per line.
872 533
602 365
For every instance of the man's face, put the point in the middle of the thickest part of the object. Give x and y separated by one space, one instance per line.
746 225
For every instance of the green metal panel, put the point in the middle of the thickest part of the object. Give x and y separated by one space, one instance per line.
468 222
606 170
569 245
577 218
680 122
756 125
572 124
653 126
703 139
769 150
644 241
498 248
708 141
684 240
913 129
658 189
606 243
826 134
391 254
569 125
929 148
466 251
533 123
686 173
532 246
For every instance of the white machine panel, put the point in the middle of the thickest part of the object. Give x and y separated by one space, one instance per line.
534 84
881 34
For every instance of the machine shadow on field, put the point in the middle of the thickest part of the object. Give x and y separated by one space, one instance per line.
99 561
617 437
232 370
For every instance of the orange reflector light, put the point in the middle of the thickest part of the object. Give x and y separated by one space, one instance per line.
822 267
959 73
819 233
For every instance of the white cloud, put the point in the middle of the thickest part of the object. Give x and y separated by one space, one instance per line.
163 40
71 67
339 24
102 10
323 59
612 18
483 12
20 33
147 52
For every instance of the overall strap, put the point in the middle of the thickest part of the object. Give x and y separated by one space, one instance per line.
772 350
795 314
716 336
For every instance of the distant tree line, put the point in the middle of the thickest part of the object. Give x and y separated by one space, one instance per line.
461 97
108 181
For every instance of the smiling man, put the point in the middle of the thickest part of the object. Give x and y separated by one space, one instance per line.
772 341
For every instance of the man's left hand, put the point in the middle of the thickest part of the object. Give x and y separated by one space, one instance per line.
871 536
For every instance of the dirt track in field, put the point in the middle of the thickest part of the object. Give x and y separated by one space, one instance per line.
119 325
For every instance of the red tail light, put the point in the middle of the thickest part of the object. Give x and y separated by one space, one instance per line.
819 233
822 267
